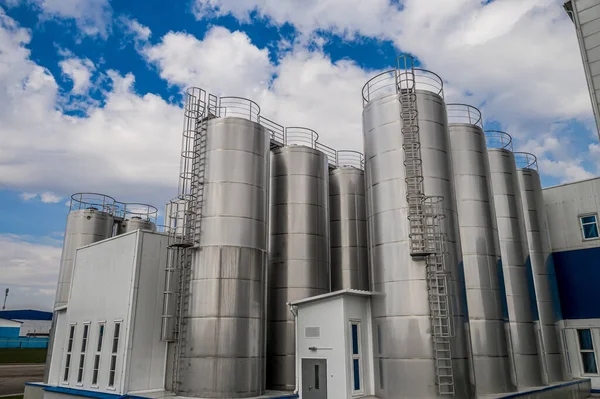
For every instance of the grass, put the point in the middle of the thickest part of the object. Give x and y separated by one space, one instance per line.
26 355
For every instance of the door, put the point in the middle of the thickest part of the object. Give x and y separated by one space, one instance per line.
314 379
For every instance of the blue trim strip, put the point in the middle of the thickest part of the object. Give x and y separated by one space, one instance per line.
104 395
88 394
544 389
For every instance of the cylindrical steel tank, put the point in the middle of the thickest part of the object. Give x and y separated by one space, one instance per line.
299 253
403 347
522 349
349 258
222 353
480 250
136 223
547 311
90 220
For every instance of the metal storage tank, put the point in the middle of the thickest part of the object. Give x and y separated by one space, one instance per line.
522 349
138 217
547 312
480 250
405 364
90 220
299 252
221 354
349 258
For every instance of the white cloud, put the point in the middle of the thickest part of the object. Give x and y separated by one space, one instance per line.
28 196
132 27
565 171
127 148
225 59
30 270
80 72
50 198
93 17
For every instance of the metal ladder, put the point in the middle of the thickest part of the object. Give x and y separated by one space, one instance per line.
427 238
193 191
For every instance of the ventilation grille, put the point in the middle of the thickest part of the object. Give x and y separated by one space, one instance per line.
312 332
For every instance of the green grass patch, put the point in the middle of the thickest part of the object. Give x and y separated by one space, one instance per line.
25 355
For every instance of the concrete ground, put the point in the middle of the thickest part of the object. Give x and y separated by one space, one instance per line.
14 376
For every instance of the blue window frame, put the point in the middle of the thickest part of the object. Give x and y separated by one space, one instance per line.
356 356
589 227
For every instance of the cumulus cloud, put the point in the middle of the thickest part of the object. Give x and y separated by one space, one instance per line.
28 196
133 28
92 17
80 72
29 268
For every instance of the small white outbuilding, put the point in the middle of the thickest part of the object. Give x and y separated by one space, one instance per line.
334 345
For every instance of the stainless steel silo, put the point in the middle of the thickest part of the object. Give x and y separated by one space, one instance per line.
221 350
299 264
90 220
349 259
480 250
406 364
522 349
542 270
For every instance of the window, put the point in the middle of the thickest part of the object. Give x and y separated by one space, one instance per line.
97 355
70 339
586 348
113 356
356 357
589 227
84 339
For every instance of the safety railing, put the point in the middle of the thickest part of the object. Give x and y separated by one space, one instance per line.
388 82
276 131
526 160
350 158
330 152
99 202
142 211
239 107
300 136
463 113
498 139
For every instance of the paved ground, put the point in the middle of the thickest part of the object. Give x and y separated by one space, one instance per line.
14 376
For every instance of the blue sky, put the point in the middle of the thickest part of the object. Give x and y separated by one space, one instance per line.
91 91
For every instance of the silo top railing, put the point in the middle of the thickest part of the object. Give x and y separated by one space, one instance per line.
526 160
463 113
276 131
142 211
498 139
99 202
330 152
238 107
300 136
350 158
388 82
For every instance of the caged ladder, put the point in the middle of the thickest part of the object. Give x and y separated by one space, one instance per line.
426 233
200 108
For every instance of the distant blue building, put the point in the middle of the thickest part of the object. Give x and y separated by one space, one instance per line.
24 328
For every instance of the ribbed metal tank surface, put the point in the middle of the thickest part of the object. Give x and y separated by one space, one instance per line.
84 227
223 349
522 349
349 258
542 268
481 256
403 349
299 252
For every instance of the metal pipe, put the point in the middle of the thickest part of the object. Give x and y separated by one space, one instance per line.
294 311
